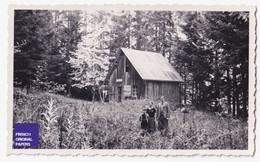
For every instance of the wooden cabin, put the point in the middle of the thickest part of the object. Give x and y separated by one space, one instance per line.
141 74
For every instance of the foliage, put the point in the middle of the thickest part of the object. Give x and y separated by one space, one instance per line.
91 59
77 124
43 41
30 43
214 49
76 48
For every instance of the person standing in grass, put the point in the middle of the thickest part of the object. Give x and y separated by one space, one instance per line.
144 120
151 120
163 115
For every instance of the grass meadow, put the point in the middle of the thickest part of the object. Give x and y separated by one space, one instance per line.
67 123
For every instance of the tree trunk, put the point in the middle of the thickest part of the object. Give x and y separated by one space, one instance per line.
199 94
238 91
27 89
138 28
156 38
238 104
196 93
185 86
234 92
244 95
129 30
216 80
228 92
163 38
93 94
244 99
192 92
101 98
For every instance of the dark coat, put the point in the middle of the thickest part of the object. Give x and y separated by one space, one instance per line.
151 120
144 120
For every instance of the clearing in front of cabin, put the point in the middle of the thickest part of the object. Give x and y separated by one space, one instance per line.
77 124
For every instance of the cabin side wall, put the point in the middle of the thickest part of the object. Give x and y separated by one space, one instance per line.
170 90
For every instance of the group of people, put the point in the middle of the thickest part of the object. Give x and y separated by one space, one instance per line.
155 114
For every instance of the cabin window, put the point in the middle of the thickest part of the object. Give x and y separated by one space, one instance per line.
134 91
127 65
127 69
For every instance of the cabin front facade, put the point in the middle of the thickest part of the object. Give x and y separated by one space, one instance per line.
140 74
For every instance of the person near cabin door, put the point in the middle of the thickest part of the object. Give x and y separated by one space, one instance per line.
163 115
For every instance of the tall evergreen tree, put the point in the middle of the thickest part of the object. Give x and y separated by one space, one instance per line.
31 33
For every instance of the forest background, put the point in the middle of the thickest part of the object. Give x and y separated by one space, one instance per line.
70 52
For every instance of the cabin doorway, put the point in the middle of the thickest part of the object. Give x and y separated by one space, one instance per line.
119 94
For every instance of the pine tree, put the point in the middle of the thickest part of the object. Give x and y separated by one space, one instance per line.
31 32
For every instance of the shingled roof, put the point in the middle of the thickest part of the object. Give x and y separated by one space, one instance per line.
150 66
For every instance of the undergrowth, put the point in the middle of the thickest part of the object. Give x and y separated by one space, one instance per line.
66 123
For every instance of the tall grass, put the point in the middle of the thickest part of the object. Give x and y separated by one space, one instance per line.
49 133
67 123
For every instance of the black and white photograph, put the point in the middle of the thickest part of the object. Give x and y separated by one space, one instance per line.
131 79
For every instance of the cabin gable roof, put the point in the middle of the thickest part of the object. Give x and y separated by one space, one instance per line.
149 65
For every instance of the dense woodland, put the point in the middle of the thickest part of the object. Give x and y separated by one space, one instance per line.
69 52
